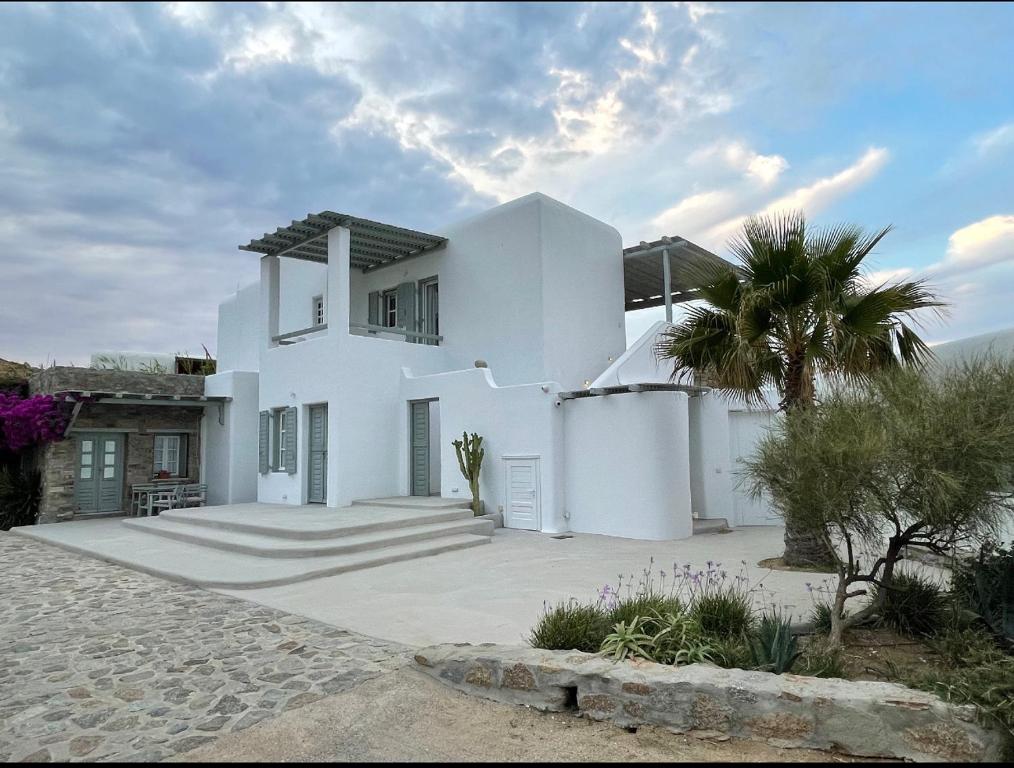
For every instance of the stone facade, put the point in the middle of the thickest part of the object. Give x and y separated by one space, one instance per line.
140 423
867 719
70 379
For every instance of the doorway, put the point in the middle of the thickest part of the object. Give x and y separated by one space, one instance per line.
316 474
98 476
424 447
523 492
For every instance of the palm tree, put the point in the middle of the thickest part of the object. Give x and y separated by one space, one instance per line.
797 306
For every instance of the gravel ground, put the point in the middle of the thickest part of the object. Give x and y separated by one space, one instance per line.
98 662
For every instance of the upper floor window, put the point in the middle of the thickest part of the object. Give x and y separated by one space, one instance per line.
389 309
318 310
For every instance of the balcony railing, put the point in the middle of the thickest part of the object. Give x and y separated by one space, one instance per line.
292 336
374 329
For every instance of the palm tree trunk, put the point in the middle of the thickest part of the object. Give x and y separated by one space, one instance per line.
804 547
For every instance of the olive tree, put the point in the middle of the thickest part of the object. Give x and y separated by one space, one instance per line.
909 460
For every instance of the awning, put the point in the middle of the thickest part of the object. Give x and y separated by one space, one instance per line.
373 245
644 271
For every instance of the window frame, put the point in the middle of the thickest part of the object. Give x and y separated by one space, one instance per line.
279 430
318 313
166 439
389 308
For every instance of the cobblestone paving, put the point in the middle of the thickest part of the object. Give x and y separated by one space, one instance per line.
98 662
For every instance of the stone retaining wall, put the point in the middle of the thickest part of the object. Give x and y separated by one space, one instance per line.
858 718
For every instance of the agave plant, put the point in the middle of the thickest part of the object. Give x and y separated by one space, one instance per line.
773 646
627 639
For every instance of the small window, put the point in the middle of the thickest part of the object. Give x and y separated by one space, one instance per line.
168 454
278 440
389 309
318 310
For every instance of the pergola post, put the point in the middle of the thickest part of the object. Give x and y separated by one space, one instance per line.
339 283
270 292
667 284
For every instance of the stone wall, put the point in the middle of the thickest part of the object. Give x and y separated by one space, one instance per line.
70 379
868 719
58 461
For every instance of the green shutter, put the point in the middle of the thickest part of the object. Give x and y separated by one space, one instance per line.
262 442
406 307
183 467
373 317
290 440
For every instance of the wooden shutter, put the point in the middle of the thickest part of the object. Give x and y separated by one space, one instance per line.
406 307
262 442
290 440
183 465
373 317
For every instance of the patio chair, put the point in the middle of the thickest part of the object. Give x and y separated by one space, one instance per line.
195 495
168 499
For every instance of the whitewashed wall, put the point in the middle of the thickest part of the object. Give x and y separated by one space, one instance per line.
518 419
627 470
239 331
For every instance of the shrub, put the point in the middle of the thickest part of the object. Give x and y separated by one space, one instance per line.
726 612
731 653
821 616
913 605
821 659
678 641
570 627
648 606
773 647
985 586
960 647
20 494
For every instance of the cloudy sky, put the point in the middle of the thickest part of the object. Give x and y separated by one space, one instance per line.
140 143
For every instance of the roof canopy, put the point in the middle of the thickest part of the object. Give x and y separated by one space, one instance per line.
374 245
644 271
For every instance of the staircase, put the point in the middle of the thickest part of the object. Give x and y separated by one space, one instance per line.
249 546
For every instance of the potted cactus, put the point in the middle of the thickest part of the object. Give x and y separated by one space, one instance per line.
470 453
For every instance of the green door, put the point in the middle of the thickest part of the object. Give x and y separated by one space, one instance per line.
98 479
421 449
317 456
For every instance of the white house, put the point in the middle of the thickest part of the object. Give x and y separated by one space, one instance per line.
365 349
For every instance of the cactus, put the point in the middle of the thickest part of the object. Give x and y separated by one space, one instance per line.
470 453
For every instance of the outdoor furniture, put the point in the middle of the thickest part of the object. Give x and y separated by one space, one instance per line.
159 500
140 492
195 495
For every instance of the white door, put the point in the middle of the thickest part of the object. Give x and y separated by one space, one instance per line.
745 429
522 491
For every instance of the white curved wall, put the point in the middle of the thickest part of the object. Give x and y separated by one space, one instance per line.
627 465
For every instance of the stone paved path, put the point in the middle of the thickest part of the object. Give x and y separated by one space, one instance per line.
98 662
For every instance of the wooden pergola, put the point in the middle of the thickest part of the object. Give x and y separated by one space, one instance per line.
663 272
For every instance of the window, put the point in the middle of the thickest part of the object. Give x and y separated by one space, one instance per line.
318 310
170 455
278 440
389 309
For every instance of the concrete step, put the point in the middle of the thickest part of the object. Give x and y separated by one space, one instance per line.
271 545
415 502
189 563
711 525
313 523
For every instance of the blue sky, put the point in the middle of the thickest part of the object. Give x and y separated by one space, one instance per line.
139 144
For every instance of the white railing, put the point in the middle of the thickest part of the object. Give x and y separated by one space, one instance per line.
290 337
374 329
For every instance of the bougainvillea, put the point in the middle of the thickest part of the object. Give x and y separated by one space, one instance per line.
27 421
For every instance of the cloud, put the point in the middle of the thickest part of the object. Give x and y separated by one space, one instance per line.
980 244
812 198
995 140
